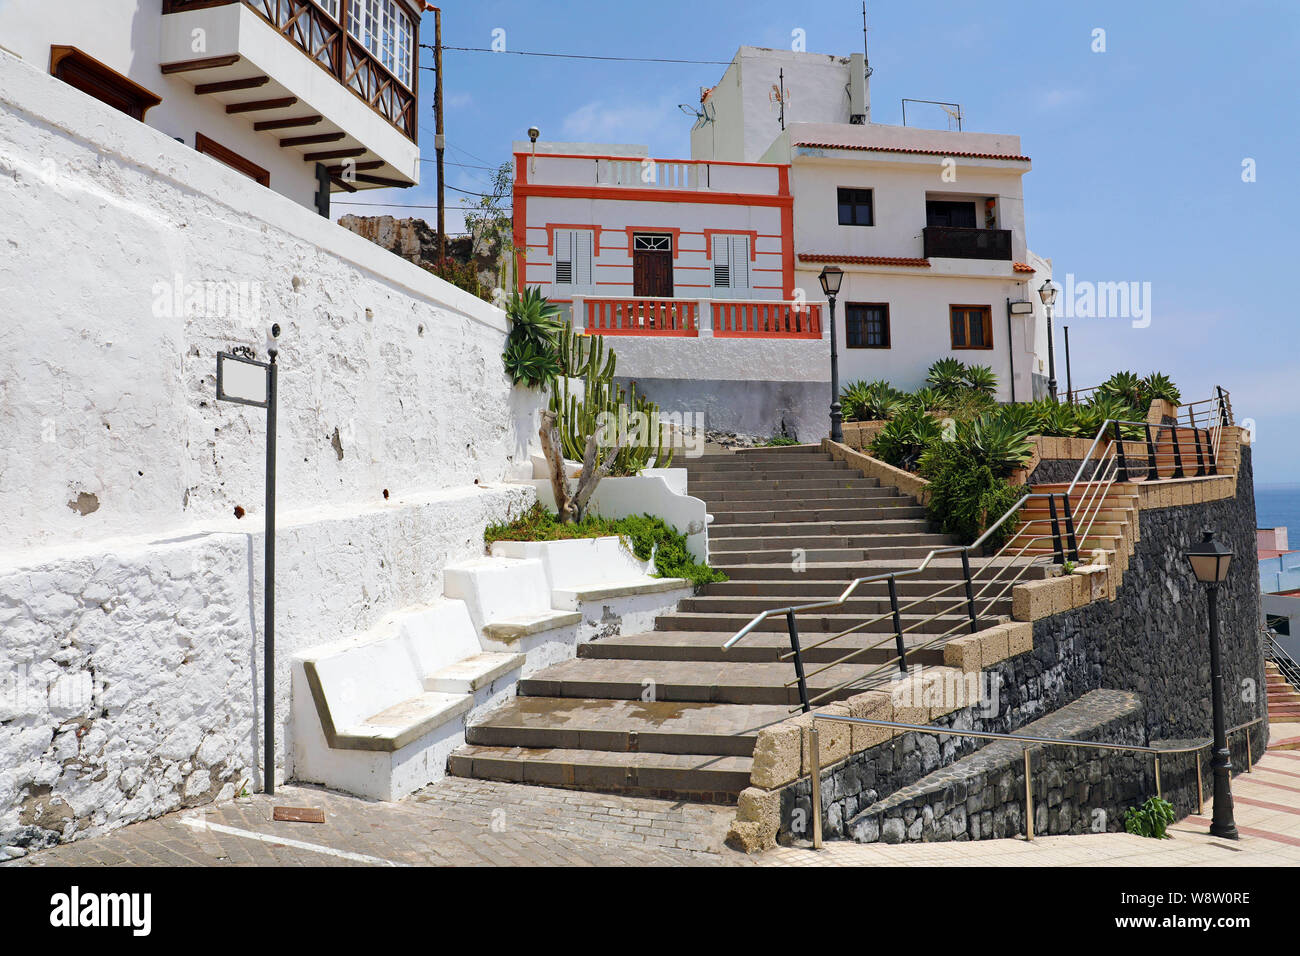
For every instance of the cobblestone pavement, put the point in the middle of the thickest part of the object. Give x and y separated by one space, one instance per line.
478 823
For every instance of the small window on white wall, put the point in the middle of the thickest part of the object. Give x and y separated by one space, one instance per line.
573 254
731 263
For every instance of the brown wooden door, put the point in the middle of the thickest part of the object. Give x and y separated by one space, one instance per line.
652 268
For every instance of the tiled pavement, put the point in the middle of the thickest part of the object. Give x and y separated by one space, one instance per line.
477 823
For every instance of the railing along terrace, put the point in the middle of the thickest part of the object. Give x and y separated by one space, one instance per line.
745 319
1063 532
1276 653
641 316
323 38
814 758
652 173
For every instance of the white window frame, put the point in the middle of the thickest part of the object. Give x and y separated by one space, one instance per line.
577 249
730 254
384 28
331 7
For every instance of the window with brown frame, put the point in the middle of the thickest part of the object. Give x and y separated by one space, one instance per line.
210 147
972 326
83 71
866 325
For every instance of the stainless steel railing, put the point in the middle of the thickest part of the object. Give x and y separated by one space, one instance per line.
814 754
1080 506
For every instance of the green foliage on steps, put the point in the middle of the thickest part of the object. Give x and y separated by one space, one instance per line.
1152 819
644 534
968 482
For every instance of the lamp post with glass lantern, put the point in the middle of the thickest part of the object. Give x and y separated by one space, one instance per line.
1047 292
831 277
1209 560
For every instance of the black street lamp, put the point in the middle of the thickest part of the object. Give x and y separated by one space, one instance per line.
1209 560
830 278
1047 292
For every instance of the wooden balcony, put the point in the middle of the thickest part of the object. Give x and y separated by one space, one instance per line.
951 242
326 42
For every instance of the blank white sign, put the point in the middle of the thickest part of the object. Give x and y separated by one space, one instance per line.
242 380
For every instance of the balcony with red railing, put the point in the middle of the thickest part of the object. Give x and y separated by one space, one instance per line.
723 318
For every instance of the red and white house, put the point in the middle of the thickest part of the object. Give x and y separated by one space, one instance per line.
706 268
691 262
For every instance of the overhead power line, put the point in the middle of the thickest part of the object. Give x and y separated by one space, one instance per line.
579 56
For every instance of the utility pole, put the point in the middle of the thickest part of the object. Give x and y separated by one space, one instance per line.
439 140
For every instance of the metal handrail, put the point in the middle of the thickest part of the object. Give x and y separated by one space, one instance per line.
814 753
1111 467
1276 653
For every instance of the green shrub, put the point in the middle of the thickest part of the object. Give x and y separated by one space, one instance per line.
531 356
1158 385
1152 819
966 498
947 376
645 535
925 399
870 401
780 441
981 378
905 437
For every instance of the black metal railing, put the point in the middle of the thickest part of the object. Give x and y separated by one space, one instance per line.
1064 532
954 242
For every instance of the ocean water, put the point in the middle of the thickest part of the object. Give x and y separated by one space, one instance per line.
1279 506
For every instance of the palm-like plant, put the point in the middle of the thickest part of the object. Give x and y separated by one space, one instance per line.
531 356
1158 385
982 379
996 443
870 401
908 434
1126 386
947 376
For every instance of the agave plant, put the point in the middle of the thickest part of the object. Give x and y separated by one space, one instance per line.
1022 416
947 376
531 355
994 442
1158 385
982 379
908 434
1055 419
873 401
925 399
1126 386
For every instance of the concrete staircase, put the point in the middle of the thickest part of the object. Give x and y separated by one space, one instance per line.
669 712
1283 700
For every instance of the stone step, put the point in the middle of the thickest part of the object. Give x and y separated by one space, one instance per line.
940 569
794 497
899 554
802 486
802 590
702 776
915 525
760 647
836 619
764 513
727 682
626 726
865 606
809 541
712 471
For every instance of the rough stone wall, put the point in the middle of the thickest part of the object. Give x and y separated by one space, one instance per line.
1152 640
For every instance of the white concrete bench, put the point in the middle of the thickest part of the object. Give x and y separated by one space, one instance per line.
377 715
588 569
507 599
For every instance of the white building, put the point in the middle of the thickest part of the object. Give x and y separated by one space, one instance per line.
928 226
279 90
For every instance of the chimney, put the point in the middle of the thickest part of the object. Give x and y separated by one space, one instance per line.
859 103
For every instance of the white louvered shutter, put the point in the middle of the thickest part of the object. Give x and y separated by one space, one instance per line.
582 258
563 257
721 254
740 262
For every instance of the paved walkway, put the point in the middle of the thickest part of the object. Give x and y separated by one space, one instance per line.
477 823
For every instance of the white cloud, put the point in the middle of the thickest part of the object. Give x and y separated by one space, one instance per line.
604 121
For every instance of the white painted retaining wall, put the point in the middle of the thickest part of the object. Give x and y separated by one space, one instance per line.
145 612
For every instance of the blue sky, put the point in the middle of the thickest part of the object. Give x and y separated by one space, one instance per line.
1137 151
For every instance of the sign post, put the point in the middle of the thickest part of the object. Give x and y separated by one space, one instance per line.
246 381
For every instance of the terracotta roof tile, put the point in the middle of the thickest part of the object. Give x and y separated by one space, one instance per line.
916 151
1022 267
865 260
